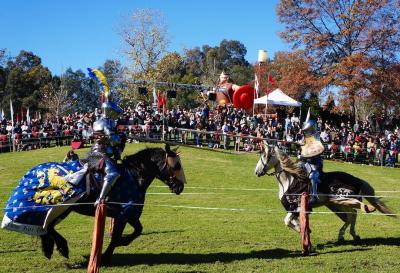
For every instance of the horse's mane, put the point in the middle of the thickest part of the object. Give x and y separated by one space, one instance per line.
289 166
144 155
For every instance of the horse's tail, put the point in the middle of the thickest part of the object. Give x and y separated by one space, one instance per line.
369 192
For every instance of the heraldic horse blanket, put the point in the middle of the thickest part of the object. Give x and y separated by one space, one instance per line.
36 200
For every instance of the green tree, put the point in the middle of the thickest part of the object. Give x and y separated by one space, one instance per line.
205 64
25 80
83 91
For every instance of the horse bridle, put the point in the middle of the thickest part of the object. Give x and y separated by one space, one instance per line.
266 163
172 176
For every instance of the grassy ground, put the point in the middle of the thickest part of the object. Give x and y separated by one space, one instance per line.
195 239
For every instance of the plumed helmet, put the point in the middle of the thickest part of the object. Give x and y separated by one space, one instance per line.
309 127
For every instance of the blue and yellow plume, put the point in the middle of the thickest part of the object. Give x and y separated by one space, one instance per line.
96 74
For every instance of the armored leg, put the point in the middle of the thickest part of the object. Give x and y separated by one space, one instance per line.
313 174
111 177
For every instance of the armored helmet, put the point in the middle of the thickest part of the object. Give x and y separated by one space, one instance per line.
309 127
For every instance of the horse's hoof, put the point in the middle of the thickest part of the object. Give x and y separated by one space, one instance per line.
47 246
64 251
340 241
357 239
48 254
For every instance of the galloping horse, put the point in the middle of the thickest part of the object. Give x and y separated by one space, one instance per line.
125 200
338 191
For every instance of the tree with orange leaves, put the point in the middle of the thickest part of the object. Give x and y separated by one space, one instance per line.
294 74
345 41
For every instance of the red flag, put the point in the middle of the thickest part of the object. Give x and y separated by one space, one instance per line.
22 114
272 81
17 118
164 103
102 98
161 101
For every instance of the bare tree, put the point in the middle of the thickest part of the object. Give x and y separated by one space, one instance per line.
55 98
145 37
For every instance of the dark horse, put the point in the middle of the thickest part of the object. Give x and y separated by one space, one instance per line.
137 173
339 191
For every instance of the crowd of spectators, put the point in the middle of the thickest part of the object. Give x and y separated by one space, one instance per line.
218 127
39 133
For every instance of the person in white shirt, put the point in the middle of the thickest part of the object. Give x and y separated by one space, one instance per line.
294 119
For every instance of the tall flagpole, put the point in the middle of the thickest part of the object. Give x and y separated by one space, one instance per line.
259 73
12 124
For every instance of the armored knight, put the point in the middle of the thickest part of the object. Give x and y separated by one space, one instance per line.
311 156
108 145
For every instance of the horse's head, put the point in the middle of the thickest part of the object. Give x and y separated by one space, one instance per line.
267 160
172 172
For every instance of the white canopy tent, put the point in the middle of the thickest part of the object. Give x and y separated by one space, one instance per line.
277 97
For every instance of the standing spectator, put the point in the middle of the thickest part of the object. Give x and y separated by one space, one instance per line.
226 129
288 124
356 127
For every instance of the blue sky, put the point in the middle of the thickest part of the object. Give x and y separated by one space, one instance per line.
82 34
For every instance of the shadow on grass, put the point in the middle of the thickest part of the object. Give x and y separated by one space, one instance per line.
191 258
363 242
120 260
18 250
162 232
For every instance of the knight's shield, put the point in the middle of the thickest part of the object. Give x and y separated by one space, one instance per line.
313 147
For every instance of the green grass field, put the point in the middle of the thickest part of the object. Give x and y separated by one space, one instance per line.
200 230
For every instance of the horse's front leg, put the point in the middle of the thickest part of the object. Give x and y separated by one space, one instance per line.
292 221
119 226
47 245
53 237
61 242
138 228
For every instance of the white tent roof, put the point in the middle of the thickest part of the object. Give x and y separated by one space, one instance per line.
277 97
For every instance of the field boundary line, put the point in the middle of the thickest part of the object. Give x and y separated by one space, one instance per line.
203 208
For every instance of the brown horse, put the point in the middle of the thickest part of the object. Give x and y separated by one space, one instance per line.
124 202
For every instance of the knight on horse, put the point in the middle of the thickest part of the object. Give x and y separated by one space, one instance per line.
311 160
108 145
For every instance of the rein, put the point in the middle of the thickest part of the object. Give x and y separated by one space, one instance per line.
171 172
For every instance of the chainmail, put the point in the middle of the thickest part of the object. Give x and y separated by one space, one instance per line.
92 159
